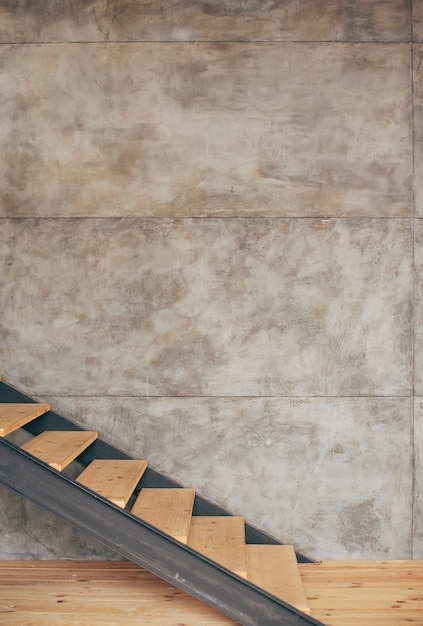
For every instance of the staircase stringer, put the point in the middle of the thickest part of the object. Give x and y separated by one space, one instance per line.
137 541
151 478
132 537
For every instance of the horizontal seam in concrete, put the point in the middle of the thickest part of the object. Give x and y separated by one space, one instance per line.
174 218
213 42
231 397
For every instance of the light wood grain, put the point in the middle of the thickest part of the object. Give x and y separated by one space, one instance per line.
59 448
113 479
97 592
275 569
14 416
221 539
365 593
55 593
168 510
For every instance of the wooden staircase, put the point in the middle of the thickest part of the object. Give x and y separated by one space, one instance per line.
192 544
216 540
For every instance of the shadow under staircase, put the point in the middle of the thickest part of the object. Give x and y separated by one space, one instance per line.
147 518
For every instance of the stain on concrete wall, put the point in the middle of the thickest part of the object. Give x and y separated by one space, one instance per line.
418 478
28 532
209 307
206 130
417 24
198 20
211 254
286 464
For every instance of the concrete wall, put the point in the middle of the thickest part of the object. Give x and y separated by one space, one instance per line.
211 251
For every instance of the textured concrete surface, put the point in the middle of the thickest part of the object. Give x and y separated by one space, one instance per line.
223 20
211 251
417 21
418 308
418 127
28 532
208 307
418 479
316 471
206 130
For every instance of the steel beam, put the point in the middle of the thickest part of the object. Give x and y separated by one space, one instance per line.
150 478
141 543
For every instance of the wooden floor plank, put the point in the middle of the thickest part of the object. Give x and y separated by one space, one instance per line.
89 597
14 416
59 448
369 618
113 479
168 510
370 593
275 569
221 539
118 592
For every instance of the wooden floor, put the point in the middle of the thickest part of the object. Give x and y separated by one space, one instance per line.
340 593
365 593
90 593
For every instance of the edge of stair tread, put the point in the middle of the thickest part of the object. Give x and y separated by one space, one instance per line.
58 452
118 489
19 414
275 569
168 509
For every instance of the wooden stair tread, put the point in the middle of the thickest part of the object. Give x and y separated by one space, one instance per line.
113 479
168 510
14 416
275 569
58 448
221 539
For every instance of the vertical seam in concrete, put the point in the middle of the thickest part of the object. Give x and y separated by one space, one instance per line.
413 200
413 278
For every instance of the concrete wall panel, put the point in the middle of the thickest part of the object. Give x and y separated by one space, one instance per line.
208 307
216 200
417 21
418 480
28 532
317 472
418 307
206 130
198 20
418 128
